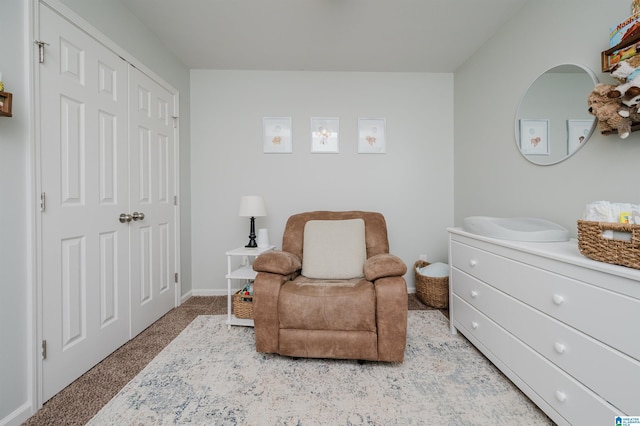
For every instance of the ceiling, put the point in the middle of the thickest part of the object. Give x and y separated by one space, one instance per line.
324 35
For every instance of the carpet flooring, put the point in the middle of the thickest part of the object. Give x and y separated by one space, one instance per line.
212 375
81 400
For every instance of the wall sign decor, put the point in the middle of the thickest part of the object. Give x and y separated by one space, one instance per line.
324 135
5 104
372 137
534 137
277 137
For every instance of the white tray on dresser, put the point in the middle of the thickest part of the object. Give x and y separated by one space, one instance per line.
565 329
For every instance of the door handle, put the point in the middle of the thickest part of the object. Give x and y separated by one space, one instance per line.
137 216
124 218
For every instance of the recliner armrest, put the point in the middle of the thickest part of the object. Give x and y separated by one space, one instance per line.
277 262
382 266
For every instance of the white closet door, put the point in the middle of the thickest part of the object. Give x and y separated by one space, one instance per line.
153 190
84 175
108 148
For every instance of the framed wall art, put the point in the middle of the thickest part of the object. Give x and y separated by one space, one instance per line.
372 137
277 136
534 136
577 132
324 135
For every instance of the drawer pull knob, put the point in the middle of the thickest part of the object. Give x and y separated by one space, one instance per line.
559 347
474 324
473 262
474 294
557 299
561 396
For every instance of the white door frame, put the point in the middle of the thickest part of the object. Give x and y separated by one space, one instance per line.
35 229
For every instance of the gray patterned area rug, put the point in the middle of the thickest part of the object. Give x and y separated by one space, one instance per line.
210 375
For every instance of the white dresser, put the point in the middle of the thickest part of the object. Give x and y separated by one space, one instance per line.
565 329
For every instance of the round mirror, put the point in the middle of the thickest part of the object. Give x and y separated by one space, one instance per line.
552 121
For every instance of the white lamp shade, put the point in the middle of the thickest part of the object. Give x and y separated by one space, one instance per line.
252 206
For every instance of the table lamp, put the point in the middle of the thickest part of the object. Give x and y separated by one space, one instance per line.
252 206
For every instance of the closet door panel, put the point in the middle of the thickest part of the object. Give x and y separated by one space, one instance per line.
84 179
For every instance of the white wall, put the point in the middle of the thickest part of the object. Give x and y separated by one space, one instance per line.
492 177
411 184
15 302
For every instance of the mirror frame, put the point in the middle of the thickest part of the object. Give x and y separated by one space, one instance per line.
516 126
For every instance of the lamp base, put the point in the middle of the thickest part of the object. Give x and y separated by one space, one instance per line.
252 234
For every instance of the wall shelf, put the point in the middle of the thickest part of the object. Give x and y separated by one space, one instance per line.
620 52
634 128
616 54
5 104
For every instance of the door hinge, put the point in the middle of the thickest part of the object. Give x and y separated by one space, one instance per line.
175 200
43 202
41 45
176 277
175 121
44 349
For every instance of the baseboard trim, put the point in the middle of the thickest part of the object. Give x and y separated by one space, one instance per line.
185 296
19 416
209 292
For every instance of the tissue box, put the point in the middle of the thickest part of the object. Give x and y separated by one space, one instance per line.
624 30
594 245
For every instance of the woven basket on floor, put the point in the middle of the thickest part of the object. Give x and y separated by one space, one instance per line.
242 306
432 291
595 246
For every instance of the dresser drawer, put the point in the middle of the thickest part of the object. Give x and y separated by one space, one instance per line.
607 316
572 351
496 344
482 328
608 373
488 300
574 402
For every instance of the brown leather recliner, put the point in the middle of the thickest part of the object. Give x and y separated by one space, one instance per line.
361 317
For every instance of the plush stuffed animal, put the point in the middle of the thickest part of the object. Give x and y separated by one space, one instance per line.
629 75
607 110
630 112
631 98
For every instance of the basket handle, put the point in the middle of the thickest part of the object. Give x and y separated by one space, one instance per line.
634 230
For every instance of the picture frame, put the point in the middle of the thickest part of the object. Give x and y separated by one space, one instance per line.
372 137
325 135
277 137
534 136
578 131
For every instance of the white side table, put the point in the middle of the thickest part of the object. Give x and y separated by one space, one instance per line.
243 273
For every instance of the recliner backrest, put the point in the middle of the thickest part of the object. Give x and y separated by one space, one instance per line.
374 223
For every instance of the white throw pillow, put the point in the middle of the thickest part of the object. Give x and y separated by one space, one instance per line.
334 249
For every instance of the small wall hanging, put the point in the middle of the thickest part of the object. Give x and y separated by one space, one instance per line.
372 137
534 137
324 135
577 132
277 136
5 104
